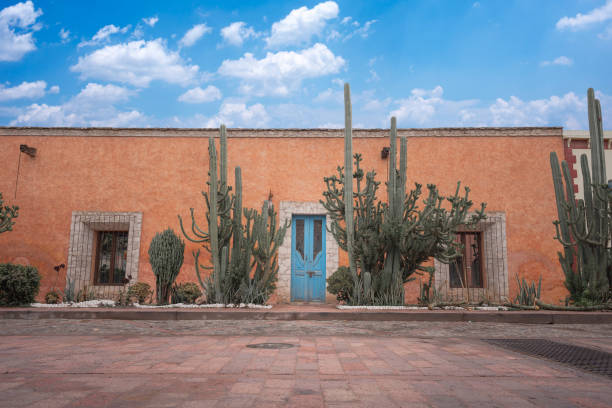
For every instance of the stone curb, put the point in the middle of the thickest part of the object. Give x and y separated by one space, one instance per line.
539 317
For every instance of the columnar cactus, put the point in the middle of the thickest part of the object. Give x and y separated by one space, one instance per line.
583 227
387 242
348 183
166 254
234 247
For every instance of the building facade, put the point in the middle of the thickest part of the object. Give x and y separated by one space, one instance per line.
93 199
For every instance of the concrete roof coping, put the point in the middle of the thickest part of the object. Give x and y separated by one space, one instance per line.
280 133
583 134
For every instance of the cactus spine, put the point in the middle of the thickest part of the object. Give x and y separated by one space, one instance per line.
583 227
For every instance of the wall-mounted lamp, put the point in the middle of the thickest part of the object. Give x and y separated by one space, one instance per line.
384 153
30 151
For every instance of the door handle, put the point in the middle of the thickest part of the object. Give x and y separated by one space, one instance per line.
310 273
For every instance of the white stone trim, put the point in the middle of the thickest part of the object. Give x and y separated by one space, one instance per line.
287 210
81 251
495 252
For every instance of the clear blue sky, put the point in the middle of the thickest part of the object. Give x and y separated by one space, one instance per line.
431 63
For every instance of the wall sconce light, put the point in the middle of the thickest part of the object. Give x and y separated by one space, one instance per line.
384 153
30 151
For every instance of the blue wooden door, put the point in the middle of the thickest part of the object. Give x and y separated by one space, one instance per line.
308 258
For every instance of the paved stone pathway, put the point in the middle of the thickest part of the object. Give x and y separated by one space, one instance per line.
98 363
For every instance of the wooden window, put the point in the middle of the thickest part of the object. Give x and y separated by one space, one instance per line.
111 257
467 270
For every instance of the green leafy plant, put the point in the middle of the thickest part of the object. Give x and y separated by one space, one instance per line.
140 292
53 297
7 214
69 295
387 242
340 283
186 293
19 284
528 294
85 294
584 226
166 258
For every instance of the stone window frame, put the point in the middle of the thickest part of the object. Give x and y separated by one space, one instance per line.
495 254
82 249
287 210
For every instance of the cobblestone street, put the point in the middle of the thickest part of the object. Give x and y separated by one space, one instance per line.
111 363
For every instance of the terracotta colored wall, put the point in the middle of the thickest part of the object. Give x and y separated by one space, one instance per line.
163 176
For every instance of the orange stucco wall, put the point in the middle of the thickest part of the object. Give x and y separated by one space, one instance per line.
163 176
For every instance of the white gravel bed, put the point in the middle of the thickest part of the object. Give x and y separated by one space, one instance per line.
89 303
484 308
111 303
345 307
205 306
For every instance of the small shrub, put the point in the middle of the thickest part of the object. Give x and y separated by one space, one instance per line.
123 298
69 295
340 283
139 292
53 297
86 294
186 292
527 293
19 284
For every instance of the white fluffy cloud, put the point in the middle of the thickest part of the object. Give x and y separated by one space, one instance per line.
96 93
194 34
568 110
151 21
199 95
104 34
238 114
282 72
236 33
562 60
93 106
429 108
26 90
17 23
137 63
301 25
580 21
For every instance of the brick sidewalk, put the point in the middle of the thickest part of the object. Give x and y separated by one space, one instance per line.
104 364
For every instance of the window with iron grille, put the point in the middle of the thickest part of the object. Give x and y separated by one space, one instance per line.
481 274
467 270
111 257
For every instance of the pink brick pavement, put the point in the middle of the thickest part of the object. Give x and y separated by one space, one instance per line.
334 371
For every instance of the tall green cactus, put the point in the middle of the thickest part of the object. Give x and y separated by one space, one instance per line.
583 227
166 254
234 247
388 242
348 184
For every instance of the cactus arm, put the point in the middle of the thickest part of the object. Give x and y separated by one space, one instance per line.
402 171
223 155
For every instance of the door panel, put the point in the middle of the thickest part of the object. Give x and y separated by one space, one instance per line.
308 258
